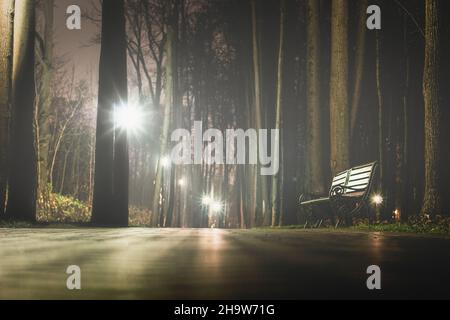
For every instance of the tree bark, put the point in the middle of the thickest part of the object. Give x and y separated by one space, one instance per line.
23 171
110 202
45 95
339 109
276 185
6 53
432 202
169 98
315 183
262 214
359 63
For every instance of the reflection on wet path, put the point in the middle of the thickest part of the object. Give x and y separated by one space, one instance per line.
222 264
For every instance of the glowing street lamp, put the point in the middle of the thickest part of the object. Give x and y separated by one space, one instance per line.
166 162
377 199
216 207
129 118
206 200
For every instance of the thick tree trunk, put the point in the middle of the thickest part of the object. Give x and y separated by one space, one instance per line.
315 183
110 202
23 173
359 63
339 109
6 47
276 185
45 95
432 202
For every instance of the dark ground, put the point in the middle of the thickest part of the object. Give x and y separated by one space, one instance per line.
220 264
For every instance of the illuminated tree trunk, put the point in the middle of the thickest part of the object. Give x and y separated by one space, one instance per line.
23 174
6 47
339 109
314 142
432 202
110 202
276 185
168 105
261 209
45 95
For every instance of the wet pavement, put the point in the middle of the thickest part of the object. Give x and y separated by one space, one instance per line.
220 264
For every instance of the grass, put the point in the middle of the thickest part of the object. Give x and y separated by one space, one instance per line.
413 226
404 228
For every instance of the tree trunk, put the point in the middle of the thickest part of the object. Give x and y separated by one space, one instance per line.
45 95
276 185
380 119
262 213
339 110
359 63
169 93
23 173
432 202
110 202
315 176
6 47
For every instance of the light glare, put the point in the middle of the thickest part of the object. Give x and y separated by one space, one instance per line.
216 206
128 117
377 199
206 200
166 162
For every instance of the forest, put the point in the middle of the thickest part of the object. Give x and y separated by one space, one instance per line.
95 146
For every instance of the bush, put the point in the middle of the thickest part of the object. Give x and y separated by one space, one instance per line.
57 208
139 217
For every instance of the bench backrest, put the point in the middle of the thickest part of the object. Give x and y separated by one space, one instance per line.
356 181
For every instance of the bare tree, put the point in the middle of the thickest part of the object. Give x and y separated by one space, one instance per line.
45 54
432 202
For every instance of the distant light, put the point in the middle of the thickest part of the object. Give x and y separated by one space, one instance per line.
216 207
182 182
129 118
397 214
206 200
166 162
377 199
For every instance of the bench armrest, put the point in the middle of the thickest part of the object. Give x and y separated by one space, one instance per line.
339 190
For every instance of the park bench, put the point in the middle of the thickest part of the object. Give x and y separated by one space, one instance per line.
349 194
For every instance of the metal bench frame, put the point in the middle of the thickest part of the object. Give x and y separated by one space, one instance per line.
344 204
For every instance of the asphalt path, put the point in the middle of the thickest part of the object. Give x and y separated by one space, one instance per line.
143 263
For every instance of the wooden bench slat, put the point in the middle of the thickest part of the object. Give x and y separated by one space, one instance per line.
362 170
339 182
341 175
357 182
360 176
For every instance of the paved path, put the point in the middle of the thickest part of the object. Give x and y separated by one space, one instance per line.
222 264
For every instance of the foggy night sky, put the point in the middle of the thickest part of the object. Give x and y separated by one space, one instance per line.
76 45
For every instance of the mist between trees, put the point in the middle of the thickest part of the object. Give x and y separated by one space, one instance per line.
338 93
